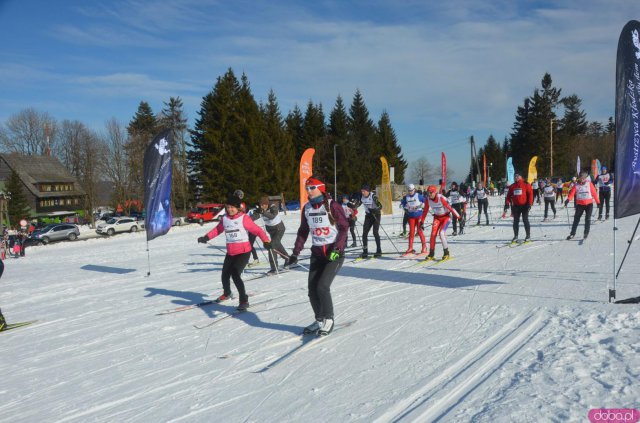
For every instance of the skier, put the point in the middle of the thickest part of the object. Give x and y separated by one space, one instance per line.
481 194
351 211
236 226
372 214
275 228
549 194
441 210
455 199
604 187
405 218
326 221
520 198
536 190
559 192
252 238
3 322
413 203
585 194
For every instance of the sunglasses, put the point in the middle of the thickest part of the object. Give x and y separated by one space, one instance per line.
312 187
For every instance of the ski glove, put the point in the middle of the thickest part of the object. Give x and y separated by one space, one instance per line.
334 255
293 259
566 203
267 245
506 207
203 239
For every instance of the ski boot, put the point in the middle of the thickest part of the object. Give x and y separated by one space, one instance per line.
326 326
571 236
409 252
255 262
243 306
353 244
377 254
3 322
223 298
365 254
313 328
446 255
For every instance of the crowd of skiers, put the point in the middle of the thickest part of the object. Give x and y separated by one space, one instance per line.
330 222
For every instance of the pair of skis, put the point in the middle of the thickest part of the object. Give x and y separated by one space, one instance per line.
11 326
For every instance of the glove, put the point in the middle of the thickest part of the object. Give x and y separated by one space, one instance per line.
203 239
334 255
529 207
267 245
506 207
293 259
566 203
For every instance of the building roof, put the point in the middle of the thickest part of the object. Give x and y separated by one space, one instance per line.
34 170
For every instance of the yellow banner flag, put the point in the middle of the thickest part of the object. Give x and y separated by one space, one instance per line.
385 189
533 173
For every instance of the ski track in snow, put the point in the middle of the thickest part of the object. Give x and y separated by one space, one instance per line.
496 334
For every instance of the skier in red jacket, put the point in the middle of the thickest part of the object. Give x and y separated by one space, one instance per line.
520 198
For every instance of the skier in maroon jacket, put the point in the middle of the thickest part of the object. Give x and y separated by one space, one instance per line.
329 228
520 198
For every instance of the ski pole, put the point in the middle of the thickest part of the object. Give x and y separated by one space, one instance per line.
385 232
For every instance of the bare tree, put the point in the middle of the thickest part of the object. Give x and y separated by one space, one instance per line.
70 150
422 170
92 150
116 169
29 132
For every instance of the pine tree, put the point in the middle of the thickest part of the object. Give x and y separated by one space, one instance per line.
338 134
390 148
17 206
362 133
315 136
571 128
280 158
142 128
172 117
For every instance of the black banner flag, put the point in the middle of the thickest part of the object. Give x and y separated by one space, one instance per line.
157 186
627 157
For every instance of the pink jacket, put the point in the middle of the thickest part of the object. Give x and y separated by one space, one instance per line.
233 249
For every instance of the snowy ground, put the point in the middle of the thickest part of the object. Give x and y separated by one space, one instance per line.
496 334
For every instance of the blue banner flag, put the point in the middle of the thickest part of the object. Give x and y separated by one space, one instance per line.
510 171
157 185
627 154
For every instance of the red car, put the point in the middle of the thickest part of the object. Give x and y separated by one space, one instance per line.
206 213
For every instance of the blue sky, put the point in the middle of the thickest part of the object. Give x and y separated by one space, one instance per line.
444 70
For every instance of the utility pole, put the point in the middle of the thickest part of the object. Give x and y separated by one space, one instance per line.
551 142
474 158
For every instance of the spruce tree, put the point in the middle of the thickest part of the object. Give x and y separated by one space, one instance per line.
141 130
338 134
280 153
390 147
172 117
362 133
17 206
315 136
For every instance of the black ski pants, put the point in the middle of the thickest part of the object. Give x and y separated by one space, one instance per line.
605 197
371 219
580 209
321 275
524 212
483 204
549 202
352 228
459 208
232 268
405 221
276 232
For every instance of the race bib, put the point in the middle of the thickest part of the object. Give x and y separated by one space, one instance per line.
234 230
517 191
320 227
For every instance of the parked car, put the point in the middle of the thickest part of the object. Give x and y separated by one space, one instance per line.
55 232
205 213
119 224
292 205
177 221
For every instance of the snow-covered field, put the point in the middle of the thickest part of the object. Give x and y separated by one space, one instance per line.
496 334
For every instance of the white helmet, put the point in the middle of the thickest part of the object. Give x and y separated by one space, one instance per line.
412 187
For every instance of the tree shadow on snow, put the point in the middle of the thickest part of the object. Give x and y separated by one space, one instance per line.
416 278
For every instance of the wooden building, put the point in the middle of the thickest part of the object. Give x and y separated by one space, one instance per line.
47 185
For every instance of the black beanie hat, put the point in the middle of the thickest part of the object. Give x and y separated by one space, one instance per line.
235 201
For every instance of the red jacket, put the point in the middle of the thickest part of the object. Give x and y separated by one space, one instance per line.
586 193
520 194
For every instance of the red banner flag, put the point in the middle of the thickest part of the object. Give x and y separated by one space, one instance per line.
306 170
443 184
